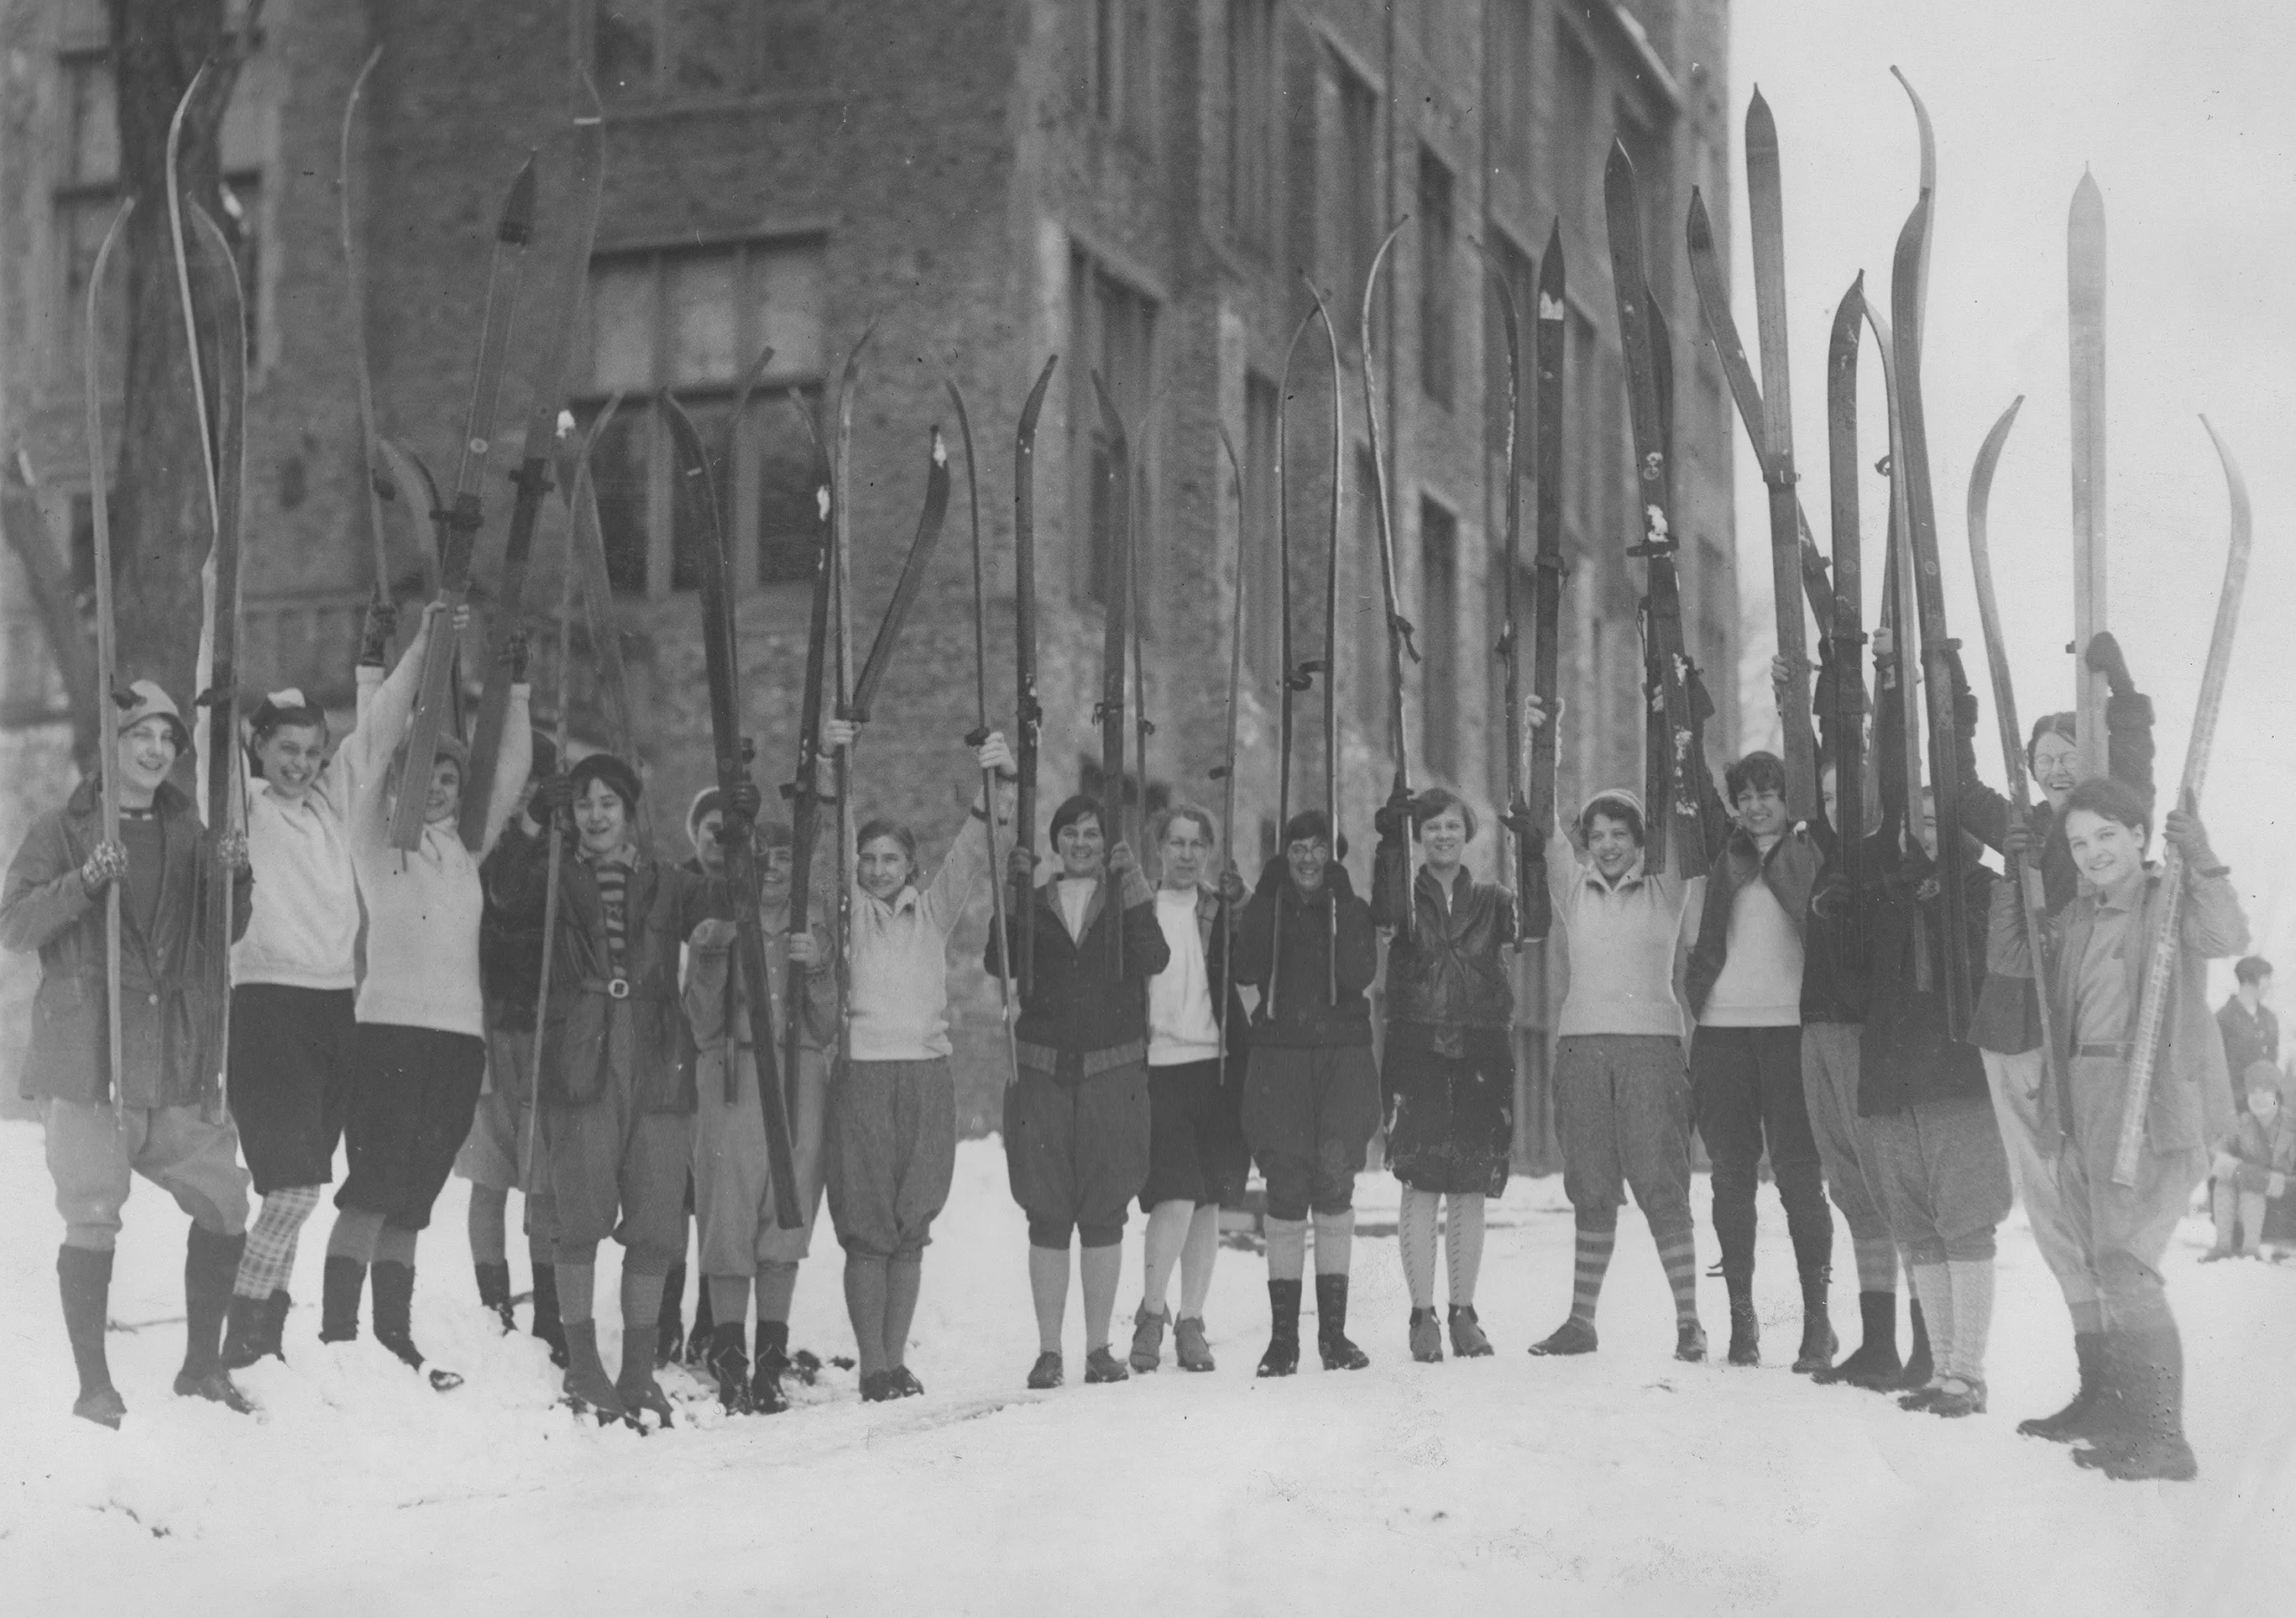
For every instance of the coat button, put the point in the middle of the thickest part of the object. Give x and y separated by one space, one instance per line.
153 1000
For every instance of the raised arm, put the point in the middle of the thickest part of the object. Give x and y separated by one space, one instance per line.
513 762
386 707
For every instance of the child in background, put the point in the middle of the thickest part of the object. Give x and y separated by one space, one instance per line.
2252 1168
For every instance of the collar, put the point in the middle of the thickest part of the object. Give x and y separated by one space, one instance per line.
625 856
1591 875
2127 896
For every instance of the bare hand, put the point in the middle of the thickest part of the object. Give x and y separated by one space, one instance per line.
1534 712
995 754
837 735
106 864
1021 866
804 948
1885 641
2017 840
1232 890
1122 860
712 935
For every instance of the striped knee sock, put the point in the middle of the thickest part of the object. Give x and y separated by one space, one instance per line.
1593 1262
1679 1254
269 1257
1462 1246
1877 1263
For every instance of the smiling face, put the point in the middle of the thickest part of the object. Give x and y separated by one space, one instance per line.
1187 852
290 757
444 800
2056 767
1611 844
147 753
775 863
1081 846
1308 860
2105 852
883 867
1762 811
600 816
1443 838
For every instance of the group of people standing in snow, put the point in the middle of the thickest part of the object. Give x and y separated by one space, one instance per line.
393 1002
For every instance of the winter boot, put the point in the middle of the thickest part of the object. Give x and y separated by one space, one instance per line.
1426 1337
1467 1339
1920 1367
242 1330
1148 1339
877 1387
546 1325
1047 1372
904 1383
83 1278
639 1390
670 1328
586 1386
1818 1343
210 1265
765 1395
1745 1326
493 1294
729 1361
2081 1418
275 1324
1876 1364
1101 1365
1332 1341
1189 1346
705 1328
2152 1446
394 1329
343 1281
1573 1337
1957 1396
1282 1356
1689 1341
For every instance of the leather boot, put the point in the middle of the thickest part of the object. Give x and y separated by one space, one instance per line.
210 1265
340 1284
586 1386
275 1324
244 1325
2154 1448
670 1328
493 1294
83 1278
1189 1345
1818 1343
1467 1339
546 1325
705 1327
1426 1337
1148 1339
1876 1365
728 1361
394 1327
635 1385
1745 1326
1919 1366
766 1397
1282 1356
2080 1418
1338 1354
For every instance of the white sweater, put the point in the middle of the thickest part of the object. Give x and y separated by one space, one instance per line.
1181 1025
899 1007
304 930
422 906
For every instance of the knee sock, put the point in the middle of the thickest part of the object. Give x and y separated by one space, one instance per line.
489 1225
865 1303
904 1277
355 1234
394 1245
1048 1286
1196 1258
577 1284
1287 1249
1971 1283
1415 1235
729 1300
269 1257
2251 1221
1678 1253
1877 1263
642 1295
1462 1245
1169 1224
1102 1268
777 1286
1335 1241
1593 1262
2088 1314
1933 1286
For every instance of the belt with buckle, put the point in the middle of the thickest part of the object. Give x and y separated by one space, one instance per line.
613 989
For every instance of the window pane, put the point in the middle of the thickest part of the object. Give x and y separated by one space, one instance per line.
794 54
712 53
622 326
623 46
619 464
788 529
785 298
704 332
92 133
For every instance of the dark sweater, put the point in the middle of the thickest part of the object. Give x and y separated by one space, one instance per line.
510 947
1079 1005
1305 1013
1907 1056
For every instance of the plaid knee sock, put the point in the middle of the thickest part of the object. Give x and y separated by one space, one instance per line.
269 1257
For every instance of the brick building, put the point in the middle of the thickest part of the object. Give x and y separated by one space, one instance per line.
1130 184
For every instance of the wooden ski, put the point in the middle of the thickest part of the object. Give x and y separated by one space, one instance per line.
1897 721
848 393
1546 614
1029 714
107 644
1226 773
1113 541
1398 628
2085 266
905 591
1298 675
354 272
1845 719
804 791
1330 667
1514 815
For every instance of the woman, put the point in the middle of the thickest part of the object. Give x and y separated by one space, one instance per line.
617 1101
157 1116
1448 1080
2095 982
293 1024
1621 1084
421 1051
740 1245
891 1147
1075 1119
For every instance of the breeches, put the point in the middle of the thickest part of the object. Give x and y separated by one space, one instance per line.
92 1147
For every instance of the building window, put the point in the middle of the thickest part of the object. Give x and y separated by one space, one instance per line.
1439 344
1122 65
1506 68
1579 136
1438 638
1521 278
1113 334
1262 571
694 320
1251 120
1357 188
650 52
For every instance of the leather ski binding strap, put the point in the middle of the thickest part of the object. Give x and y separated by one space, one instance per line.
1651 547
1402 626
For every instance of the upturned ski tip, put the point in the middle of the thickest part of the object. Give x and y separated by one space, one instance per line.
1761 128
517 224
1701 224
1617 160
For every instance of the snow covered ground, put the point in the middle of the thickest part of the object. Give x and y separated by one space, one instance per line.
1620 1482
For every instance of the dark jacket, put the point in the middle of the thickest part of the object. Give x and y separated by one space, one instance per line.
1907 1056
1078 1006
510 947
2191 1105
169 1014
2248 1040
1302 1003
1448 973
579 1025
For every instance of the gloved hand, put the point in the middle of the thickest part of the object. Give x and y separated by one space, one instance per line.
2225 1165
515 652
375 638
1392 819
2105 656
743 800
231 849
2185 833
1965 700
1232 890
2018 841
712 935
1020 867
551 797
1122 860
106 863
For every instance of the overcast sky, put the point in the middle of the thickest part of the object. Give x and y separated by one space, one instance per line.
2182 110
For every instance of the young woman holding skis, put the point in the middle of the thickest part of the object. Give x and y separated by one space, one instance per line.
421 1051
1448 1074
892 1146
